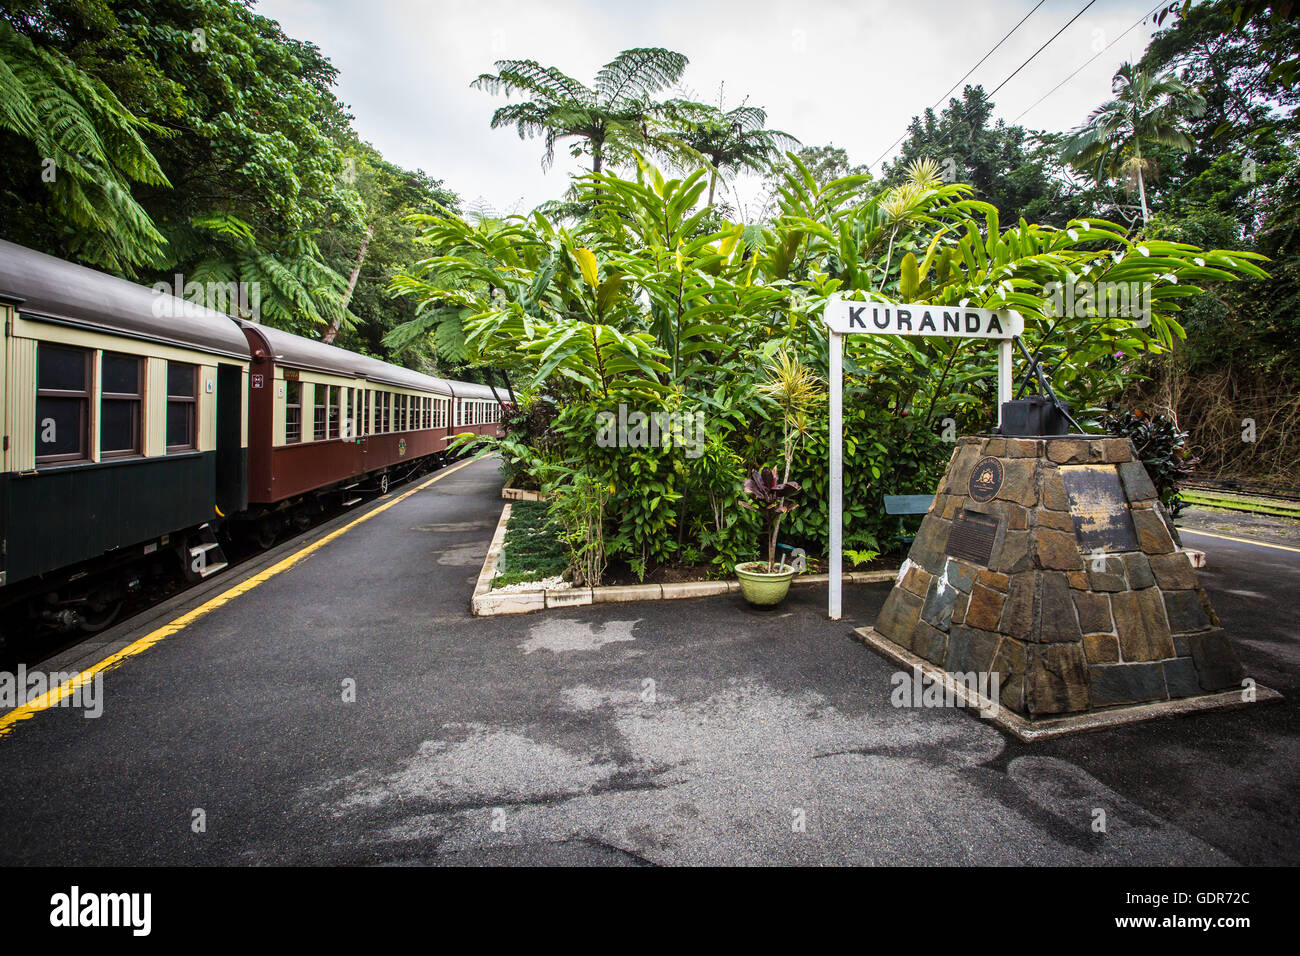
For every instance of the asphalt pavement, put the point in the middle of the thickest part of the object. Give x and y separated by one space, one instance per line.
349 709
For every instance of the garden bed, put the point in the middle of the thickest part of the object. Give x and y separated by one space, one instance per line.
528 580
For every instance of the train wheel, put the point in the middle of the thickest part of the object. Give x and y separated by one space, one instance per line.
99 613
267 530
383 483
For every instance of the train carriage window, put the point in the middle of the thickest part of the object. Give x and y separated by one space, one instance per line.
62 403
332 396
354 409
319 418
119 405
428 412
387 406
365 411
182 406
292 412
402 401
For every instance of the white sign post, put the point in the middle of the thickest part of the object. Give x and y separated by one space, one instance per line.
844 317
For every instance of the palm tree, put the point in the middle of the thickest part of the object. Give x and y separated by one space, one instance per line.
606 118
726 142
1146 109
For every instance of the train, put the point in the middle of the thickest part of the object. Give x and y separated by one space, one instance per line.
143 433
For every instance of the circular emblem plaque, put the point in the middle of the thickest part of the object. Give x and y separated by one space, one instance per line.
985 479
401 450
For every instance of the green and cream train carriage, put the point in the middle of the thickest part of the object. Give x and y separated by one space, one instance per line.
124 435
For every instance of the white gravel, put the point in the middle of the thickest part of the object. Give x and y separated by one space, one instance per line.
556 583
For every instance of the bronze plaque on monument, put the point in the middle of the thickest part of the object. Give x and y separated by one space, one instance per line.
985 479
971 537
1102 520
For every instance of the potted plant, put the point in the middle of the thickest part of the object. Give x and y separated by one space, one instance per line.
794 388
765 583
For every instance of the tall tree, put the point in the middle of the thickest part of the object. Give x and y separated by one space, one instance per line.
970 147
728 142
1147 111
606 120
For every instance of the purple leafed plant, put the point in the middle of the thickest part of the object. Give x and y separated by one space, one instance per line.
771 495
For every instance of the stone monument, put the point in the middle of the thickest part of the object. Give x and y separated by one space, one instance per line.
1051 562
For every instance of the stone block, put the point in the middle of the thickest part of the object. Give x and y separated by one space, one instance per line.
1057 621
995 580
1106 573
1140 622
931 543
1056 521
1116 450
1112 684
929 643
1138 568
959 468
1152 533
1137 483
1217 666
1094 612
1014 555
1018 608
1070 450
959 609
1185 612
970 649
1208 607
1181 678
1020 481
1023 448
1056 550
961 574
985 608
939 603
1056 679
917 580
898 615
1009 665
1101 648
1055 497
1173 572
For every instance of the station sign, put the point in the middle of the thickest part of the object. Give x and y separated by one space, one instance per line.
846 317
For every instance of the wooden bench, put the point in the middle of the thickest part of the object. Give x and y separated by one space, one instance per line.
907 505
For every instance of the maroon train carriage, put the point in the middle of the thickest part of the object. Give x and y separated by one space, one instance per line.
323 420
477 409
138 426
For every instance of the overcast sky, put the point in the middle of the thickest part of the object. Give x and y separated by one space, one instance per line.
848 72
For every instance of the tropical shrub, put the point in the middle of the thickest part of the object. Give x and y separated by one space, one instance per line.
651 307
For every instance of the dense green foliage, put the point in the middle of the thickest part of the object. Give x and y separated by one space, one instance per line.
196 138
649 305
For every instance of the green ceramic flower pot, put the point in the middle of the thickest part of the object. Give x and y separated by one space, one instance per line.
761 588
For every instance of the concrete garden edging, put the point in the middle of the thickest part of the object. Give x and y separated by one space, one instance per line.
486 604
521 494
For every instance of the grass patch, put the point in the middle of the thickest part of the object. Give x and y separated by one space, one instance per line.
533 549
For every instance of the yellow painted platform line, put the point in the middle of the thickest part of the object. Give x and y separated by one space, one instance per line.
52 697
1224 537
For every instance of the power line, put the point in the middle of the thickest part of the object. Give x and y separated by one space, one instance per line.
959 82
1140 20
1042 48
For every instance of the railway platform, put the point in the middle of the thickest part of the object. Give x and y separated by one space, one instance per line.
336 702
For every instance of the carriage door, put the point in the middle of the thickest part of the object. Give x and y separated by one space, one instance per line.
232 457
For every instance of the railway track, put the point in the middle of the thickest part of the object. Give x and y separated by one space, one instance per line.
1245 496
